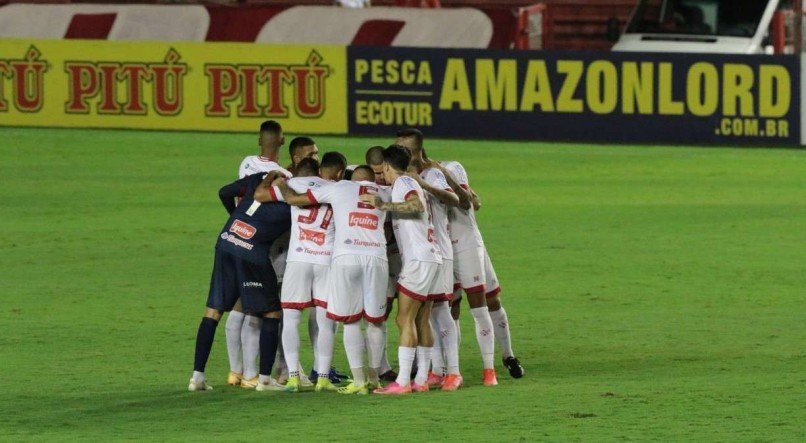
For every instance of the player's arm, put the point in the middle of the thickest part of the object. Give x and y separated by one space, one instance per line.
442 194
294 198
228 193
268 191
411 205
465 199
475 200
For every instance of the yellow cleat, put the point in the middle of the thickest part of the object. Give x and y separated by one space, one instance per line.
249 384
234 378
324 384
353 389
292 385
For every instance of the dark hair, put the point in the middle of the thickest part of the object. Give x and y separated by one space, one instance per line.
334 159
307 167
366 170
297 143
348 174
271 126
397 157
374 155
416 134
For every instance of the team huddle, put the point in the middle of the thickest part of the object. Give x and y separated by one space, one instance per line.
347 241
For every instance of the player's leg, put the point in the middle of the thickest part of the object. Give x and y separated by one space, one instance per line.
221 297
233 335
326 329
295 296
407 309
395 264
425 345
500 320
471 273
346 306
438 369
375 282
250 343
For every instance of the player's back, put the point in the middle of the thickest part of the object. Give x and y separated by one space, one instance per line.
312 227
464 228
254 164
414 232
439 212
359 225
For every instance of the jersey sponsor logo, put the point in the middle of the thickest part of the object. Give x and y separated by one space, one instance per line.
237 241
368 244
312 236
252 284
242 229
362 220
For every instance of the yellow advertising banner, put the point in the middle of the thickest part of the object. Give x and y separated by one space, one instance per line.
172 85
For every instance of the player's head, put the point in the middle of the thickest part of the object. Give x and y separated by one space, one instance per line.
333 166
302 147
363 173
396 160
410 138
374 158
307 167
270 137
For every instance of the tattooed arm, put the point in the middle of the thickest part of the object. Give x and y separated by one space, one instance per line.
412 205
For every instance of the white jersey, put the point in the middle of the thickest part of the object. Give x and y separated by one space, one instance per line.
464 229
414 232
312 228
359 225
255 163
439 212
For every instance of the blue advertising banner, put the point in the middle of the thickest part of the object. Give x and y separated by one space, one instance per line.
576 96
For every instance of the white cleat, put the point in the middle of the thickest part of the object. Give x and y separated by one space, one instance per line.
199 386
272 385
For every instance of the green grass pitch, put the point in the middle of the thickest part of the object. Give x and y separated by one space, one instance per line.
654 293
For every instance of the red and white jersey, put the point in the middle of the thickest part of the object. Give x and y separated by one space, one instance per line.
255 163
439 212
359 225
414 232
312 228
464 229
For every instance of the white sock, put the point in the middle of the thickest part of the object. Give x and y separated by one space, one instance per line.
485 335
198 377
313 333
449 337
325 340
290 337
250 341
233 334
354 345
376 341
501 323
437 359
458 332
385 367
263 379
423 363
405 359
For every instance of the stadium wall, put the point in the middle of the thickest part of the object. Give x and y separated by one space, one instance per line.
316 89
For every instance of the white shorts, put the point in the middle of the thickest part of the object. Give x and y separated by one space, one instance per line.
419 280
468 269
358 285
491 280
395 265
444 291
305 285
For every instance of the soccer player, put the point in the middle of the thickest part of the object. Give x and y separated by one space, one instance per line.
307 270
243 332
358 269
242 271
476 276
440 199
419 277
299 149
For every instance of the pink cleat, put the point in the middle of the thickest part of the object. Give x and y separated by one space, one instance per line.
452 382
393 389
489 378
435 380
419 388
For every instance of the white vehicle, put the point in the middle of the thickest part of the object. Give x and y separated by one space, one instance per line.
715 26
